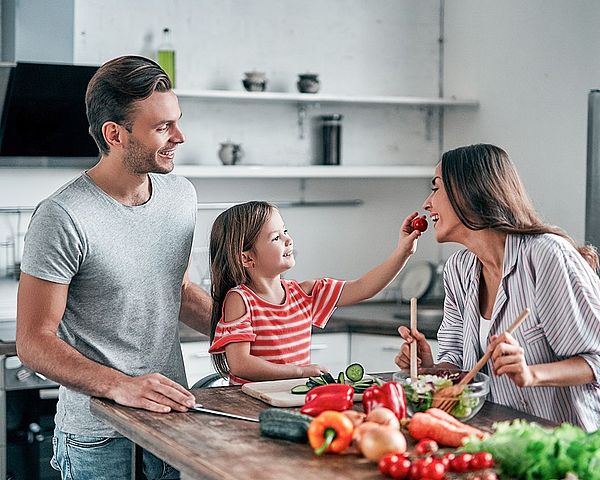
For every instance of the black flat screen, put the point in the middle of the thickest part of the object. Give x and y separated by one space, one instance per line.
44 112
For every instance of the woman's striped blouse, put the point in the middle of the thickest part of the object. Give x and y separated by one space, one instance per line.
546 274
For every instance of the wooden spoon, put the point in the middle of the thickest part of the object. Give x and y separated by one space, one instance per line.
446 398
413 344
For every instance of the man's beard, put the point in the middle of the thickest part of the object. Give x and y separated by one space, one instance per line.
140 160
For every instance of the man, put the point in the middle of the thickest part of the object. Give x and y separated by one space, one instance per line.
104 274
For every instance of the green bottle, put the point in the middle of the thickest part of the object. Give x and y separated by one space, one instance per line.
166 55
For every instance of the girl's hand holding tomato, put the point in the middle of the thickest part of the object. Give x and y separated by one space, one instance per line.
419 223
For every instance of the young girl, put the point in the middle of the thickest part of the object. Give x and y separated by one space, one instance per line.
261 323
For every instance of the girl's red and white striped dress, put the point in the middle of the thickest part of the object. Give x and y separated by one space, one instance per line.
280 333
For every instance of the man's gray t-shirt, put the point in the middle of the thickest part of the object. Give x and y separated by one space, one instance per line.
124 266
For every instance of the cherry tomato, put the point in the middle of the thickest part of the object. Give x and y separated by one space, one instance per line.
419 223
426 446
461 463
400 469
387 461
434 470
445 459
482 460
418 467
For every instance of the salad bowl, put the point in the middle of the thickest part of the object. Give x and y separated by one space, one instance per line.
421 395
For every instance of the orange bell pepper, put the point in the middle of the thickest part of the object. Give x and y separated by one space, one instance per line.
330 432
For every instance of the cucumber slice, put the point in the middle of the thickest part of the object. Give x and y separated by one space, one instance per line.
355 372
328 378
341 378
300 389
317 380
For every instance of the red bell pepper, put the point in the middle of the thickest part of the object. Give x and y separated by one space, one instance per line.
389 395
334 396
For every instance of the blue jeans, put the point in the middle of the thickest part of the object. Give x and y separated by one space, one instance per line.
79 457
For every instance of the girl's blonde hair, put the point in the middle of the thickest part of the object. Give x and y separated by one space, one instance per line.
234 231
485 190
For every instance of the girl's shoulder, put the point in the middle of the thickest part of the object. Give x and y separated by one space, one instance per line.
234 305
305 287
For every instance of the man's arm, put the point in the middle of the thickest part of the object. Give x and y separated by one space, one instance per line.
196 306
40 308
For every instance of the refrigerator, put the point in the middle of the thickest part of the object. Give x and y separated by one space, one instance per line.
592 197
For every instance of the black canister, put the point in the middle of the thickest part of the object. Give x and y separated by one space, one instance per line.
332 138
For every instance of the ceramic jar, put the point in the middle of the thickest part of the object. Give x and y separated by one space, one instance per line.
255 81
308 83
230 153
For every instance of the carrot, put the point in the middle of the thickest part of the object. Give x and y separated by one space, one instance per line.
423 425
438 413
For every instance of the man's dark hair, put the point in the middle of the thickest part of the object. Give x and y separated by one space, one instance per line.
114 89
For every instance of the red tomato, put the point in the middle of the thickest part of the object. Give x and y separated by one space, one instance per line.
400 469
482 460
418 467
387 461
434 470
461 463
426 446
445 459
419 223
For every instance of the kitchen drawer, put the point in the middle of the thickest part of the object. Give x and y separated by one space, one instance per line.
377 352
330 350
196 360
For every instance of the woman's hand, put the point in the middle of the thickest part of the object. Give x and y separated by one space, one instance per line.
424 355
509 358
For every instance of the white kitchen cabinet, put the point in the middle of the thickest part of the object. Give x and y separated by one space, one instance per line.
196 360
377 352
330 350
327 349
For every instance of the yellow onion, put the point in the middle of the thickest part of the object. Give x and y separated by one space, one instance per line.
380 440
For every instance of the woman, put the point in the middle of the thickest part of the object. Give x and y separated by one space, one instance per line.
550 366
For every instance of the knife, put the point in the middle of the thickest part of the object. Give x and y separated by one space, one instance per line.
199 408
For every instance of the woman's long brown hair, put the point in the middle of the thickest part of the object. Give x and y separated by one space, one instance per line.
485 190
234 231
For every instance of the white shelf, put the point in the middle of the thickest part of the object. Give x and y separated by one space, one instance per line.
283 97
312 171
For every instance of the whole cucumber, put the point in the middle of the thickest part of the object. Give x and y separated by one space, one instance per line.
283 424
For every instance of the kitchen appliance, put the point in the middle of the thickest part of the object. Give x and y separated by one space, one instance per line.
43 115
592 200
423 281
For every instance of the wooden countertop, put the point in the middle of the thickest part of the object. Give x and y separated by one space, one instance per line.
212 447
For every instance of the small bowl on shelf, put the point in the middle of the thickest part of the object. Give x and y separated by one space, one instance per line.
255 81
464 404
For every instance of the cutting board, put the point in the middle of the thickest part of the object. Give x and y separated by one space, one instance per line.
277 393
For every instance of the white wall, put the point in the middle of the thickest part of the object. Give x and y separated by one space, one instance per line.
358 47
531 64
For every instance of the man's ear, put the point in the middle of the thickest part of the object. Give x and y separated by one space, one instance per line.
113 134
247 260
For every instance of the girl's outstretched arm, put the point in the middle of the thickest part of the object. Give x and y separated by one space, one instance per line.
375 280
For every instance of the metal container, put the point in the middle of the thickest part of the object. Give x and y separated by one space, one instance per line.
331 126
